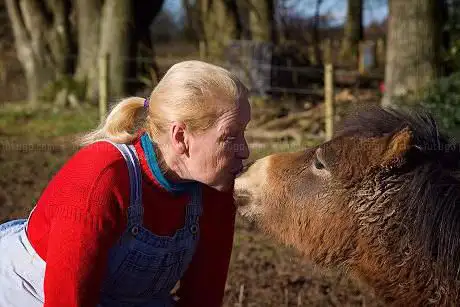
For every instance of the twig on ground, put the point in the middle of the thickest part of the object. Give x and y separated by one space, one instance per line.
241 296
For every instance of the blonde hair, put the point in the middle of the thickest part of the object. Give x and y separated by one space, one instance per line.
192 92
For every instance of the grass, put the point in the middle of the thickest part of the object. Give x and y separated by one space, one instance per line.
46 121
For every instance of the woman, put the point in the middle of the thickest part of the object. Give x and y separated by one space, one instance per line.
120 225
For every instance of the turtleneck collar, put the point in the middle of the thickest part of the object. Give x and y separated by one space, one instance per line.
152 162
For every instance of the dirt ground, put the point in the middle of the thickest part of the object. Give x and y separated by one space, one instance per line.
262 272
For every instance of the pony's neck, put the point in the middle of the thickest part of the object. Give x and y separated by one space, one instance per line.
406 284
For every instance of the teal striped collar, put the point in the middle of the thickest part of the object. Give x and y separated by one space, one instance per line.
152 161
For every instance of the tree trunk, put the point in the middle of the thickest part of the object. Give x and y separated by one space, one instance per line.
88 22
413 48
115 41
47 50
261 20
43 41
193 24
144 12
120 29
353 31
60 40
316 38
220 24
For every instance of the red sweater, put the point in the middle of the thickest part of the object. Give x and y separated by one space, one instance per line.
83 212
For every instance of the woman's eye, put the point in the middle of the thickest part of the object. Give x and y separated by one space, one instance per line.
230 139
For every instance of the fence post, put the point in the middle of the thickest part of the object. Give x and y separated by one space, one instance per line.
202 48
361 57
294 77
380 53
312 55
103 85
327 51
329 99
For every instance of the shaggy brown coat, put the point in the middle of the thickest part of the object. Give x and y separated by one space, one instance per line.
381 200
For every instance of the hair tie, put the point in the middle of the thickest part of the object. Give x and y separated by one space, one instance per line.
146 103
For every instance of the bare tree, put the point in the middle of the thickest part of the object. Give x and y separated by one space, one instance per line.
89 33
353 32
316 39
413 48
49 46
120 29
193 24
115 36
43 41
220 24
261 19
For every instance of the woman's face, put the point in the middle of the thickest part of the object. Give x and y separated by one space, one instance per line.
216 155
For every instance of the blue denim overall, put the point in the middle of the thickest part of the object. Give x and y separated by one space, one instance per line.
143 267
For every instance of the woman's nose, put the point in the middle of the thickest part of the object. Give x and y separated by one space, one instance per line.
243 150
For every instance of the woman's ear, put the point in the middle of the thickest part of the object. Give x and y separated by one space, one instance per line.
178 137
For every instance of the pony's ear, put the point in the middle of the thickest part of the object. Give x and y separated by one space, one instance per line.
397 145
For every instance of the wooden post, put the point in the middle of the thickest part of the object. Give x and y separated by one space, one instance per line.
202 50
3 73
103 85
329 99
361 58
380 53
373 54
327 51
312 55
294 77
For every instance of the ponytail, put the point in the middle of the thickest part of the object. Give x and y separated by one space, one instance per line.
120 125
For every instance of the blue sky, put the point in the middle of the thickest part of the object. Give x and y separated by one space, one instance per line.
373 9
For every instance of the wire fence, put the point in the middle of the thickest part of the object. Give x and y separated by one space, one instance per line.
264 76
254 63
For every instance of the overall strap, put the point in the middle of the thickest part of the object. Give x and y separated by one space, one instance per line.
194 208
135 209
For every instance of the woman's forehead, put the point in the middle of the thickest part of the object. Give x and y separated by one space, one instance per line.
233 119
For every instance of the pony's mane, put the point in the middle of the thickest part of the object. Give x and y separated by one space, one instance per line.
432 185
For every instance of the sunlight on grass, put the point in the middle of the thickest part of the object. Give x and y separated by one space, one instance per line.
46 121
19 120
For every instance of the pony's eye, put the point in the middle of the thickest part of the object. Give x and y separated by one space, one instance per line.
318 166
318 163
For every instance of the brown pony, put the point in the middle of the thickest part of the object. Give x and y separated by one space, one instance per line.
380 200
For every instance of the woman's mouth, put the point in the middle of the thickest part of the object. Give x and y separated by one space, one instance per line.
238 171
